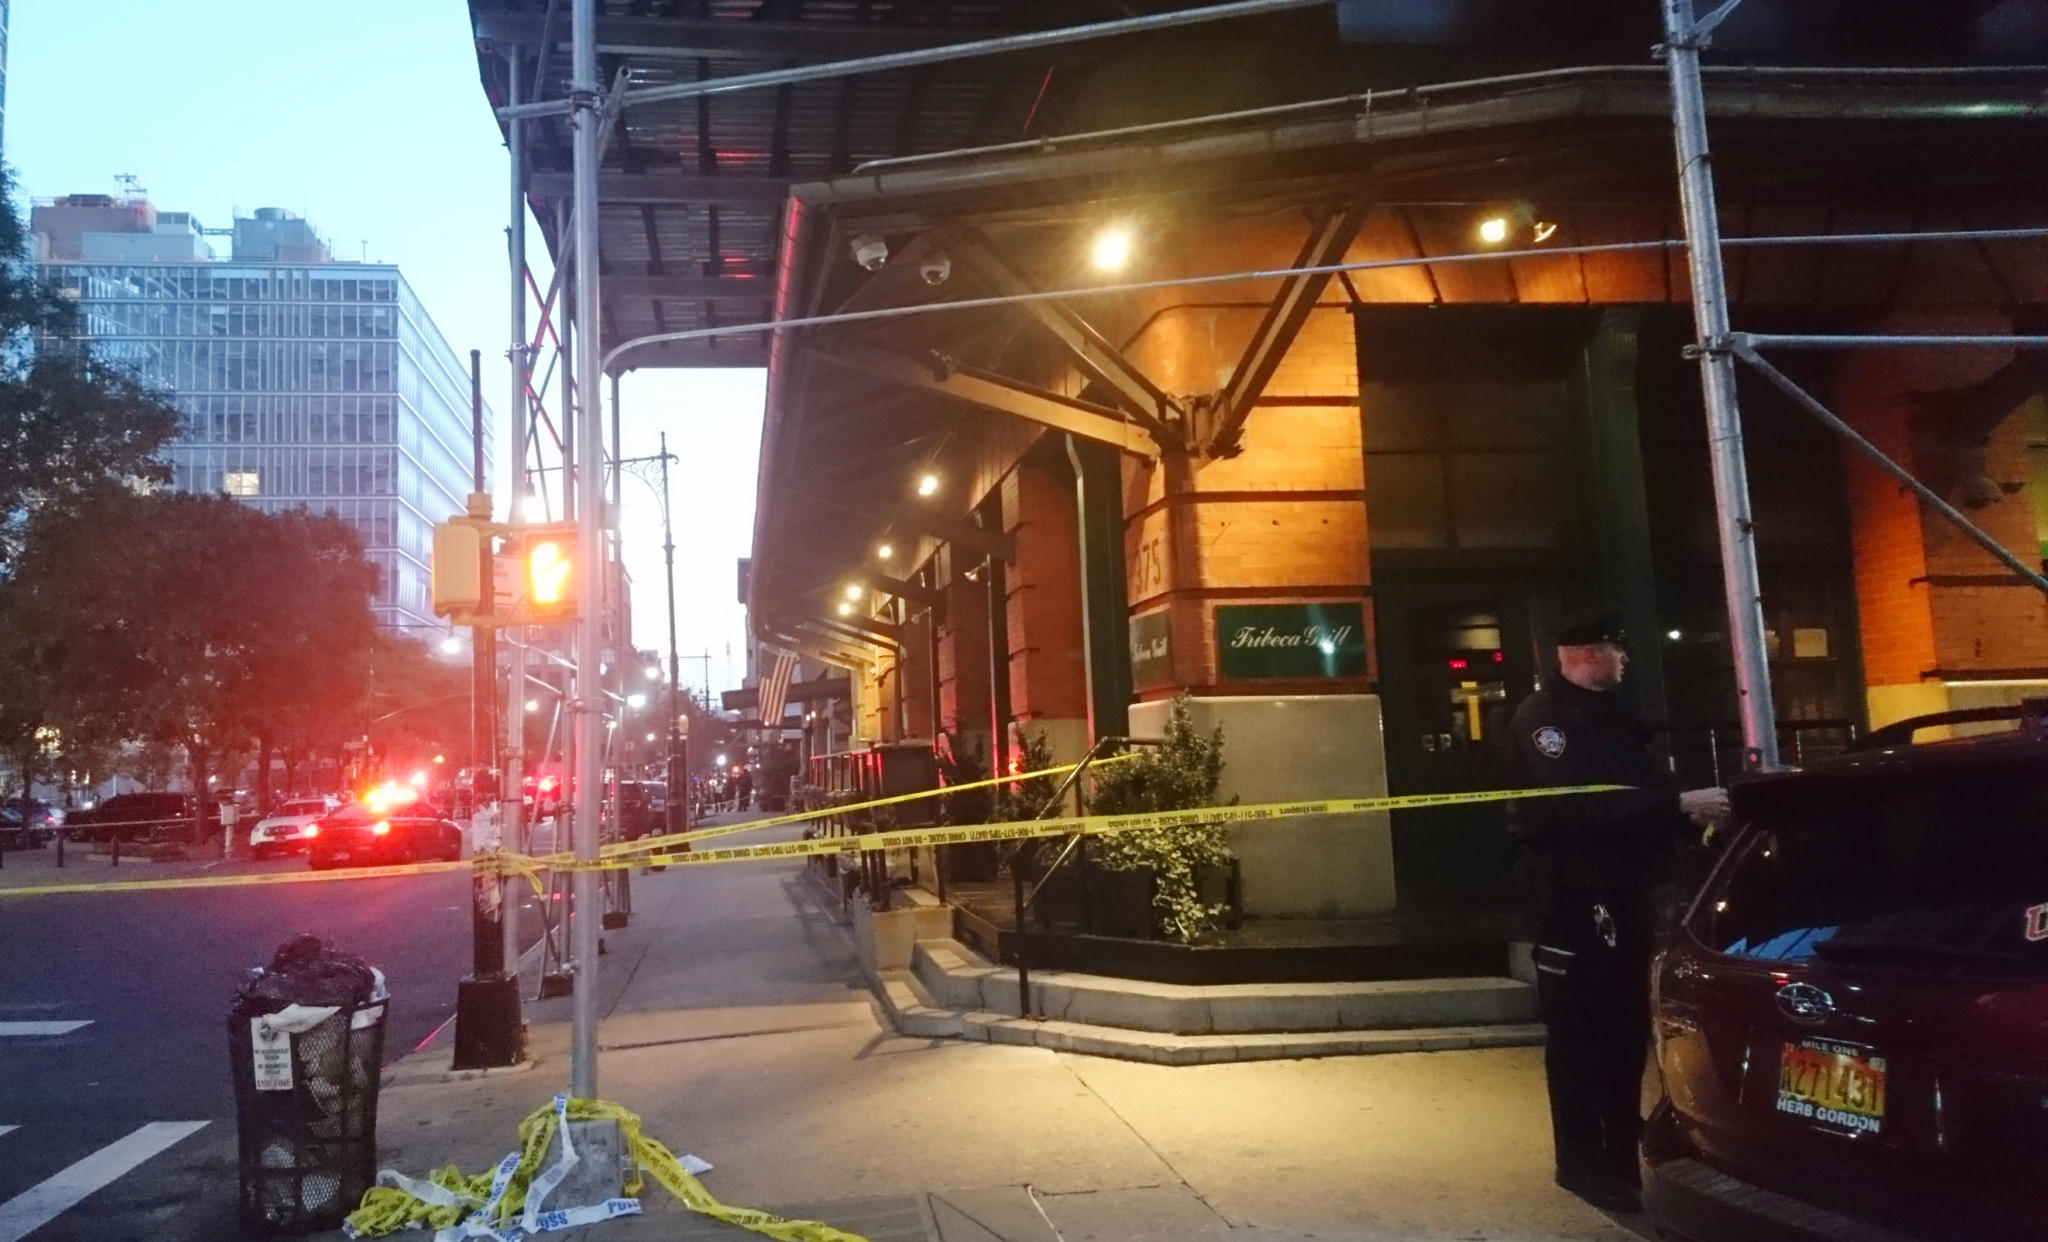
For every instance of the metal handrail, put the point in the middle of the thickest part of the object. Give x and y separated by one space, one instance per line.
1022 900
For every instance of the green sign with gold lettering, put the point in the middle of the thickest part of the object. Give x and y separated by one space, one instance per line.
1295 641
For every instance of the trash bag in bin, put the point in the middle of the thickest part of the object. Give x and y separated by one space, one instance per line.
306 1038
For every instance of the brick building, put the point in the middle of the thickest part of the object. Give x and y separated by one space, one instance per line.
1339 511
1426 461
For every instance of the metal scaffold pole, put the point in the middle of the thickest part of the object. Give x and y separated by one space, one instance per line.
512 811
584 116
1739 580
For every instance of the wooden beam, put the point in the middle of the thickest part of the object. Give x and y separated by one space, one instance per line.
1134 391
676 287
906 516
666 188
1285 314
996 392
923 596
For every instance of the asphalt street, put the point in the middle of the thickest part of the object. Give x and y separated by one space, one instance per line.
108 1107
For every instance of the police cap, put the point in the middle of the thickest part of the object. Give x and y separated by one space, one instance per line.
1583 628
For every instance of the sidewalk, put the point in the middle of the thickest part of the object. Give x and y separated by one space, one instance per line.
736 1024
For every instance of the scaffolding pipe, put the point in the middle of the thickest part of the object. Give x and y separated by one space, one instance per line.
1812 405
1804 340
1739 579
512 787
757 327
1001 45
585 119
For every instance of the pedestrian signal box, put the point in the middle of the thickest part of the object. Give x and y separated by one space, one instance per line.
550 579
457 570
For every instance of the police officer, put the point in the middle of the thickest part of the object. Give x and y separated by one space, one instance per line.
1591 869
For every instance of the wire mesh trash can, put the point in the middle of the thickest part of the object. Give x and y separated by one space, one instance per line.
306 1079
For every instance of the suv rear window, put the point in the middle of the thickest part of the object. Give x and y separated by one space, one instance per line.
1944 873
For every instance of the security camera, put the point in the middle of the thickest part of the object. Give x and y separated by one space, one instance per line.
935 269
870 251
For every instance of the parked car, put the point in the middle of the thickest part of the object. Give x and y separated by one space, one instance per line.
643 808
283 831
1852 1018
358 835
131 816
28 823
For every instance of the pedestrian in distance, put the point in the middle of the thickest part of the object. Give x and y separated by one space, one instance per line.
1594 871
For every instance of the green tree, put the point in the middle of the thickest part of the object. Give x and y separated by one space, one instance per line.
68 420
183 620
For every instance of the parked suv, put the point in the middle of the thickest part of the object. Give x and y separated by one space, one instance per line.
1852 1018
131 816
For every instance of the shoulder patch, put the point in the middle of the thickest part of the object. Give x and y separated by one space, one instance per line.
1549 741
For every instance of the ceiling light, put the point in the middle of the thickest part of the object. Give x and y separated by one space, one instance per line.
853 590
1674 635
650 737
927 484
1544 231
636 700
1493 230
533 705
451 645
845 609
886 551
1112 249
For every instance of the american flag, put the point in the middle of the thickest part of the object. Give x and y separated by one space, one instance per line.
775 674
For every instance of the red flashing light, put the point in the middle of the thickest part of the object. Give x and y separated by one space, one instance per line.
1498 658
1457 662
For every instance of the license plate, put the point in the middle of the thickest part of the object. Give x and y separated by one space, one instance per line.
1835 1085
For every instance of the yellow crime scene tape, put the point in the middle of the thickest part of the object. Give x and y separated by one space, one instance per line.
646 845
1023 829
504 863
493 1204
238 881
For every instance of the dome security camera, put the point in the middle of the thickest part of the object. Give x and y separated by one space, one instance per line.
935 269
870 251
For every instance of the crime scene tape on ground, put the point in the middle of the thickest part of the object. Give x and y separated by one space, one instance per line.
1023 829
645 845
244 881
493 1205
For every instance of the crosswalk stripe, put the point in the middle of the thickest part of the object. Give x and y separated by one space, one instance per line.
43 1202
26 1029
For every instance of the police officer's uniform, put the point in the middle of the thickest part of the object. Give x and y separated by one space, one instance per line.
1590 867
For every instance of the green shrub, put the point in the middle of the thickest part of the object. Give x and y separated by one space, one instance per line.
1180 775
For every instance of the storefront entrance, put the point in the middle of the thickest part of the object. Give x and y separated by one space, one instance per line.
1455 659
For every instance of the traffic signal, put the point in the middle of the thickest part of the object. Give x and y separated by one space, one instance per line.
457 572
550 580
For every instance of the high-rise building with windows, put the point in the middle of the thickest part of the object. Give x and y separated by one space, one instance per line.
301 381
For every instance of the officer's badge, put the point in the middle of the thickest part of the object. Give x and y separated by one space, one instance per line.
1603 923
1549 741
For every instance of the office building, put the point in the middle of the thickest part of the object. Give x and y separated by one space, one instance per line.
302 381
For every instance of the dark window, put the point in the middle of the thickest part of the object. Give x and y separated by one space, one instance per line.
1941 873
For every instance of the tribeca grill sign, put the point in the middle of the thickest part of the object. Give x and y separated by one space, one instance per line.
1291 640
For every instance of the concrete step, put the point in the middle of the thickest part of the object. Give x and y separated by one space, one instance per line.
912 1011
957 979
